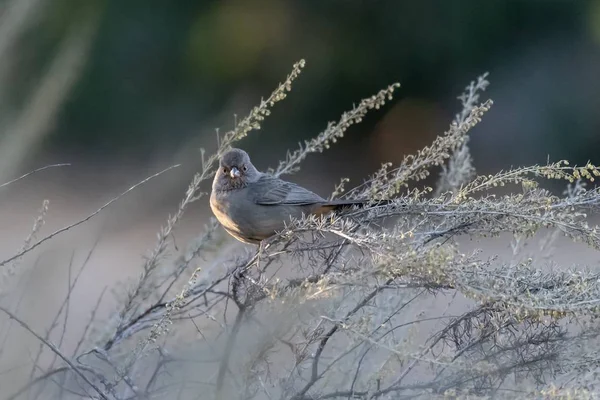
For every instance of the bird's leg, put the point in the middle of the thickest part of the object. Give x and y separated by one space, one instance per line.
260 251
258 256
262 246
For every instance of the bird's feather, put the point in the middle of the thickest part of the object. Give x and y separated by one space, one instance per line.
274 191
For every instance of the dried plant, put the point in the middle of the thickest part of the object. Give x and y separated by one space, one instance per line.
378 302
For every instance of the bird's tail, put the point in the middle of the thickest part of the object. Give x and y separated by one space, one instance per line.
360 203
335 205
345 203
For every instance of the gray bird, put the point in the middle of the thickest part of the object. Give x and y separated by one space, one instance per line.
253 206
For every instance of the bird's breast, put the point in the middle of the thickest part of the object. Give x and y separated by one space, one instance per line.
237 216
221 206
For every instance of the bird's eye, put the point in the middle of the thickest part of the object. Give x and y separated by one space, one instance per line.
244 168
224 170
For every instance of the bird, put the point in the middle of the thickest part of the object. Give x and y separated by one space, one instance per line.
253 206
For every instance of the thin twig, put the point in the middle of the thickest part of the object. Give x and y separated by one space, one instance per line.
33 172
57 352
89 324
90 216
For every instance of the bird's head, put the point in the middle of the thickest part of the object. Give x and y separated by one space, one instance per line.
235 171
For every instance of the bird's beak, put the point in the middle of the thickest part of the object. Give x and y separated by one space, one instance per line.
234 173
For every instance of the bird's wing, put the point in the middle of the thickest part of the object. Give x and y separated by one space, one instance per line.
269 190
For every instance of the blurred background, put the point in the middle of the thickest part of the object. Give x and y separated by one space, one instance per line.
112 85
123 89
